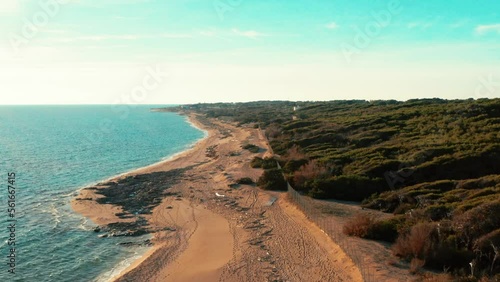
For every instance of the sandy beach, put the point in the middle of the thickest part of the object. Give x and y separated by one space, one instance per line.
207 228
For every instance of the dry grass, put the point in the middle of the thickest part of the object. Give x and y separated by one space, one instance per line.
443 277
311 170
415 265
359 225
295 153
417 243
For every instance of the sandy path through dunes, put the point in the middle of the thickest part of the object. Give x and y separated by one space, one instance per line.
209 249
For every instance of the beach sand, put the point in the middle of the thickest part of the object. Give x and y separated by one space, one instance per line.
207 229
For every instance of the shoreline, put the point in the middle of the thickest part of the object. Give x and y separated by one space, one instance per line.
192 121
81 193
199 215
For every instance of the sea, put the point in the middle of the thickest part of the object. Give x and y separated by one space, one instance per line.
48 153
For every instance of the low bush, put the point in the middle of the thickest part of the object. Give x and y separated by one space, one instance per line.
477 222
294 165
309 171
366 226
272 179
385 229
417 243
251 147
256 162
245 181
438 212
344 187
488 249
266 163
359 225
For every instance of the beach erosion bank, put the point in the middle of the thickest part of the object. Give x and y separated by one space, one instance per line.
206 227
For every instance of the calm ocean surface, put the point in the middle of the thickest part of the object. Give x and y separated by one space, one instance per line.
54 151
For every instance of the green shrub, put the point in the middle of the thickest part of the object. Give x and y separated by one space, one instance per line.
366 226
272 179
478 222
438 212
269 163
245 181
256 162
251 147
266 163
448 254
385 230
344 187
294 165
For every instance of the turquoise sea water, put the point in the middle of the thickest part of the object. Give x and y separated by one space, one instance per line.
56 150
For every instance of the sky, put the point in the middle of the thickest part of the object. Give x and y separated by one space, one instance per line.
191 51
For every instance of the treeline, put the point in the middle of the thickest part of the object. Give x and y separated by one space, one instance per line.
433 163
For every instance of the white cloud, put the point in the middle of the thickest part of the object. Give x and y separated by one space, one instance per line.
121 37
248 33
332 25
207 32
128 18
483 29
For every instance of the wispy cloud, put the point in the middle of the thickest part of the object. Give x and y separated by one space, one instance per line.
248 33
97 3
332 25
207 32
491 28
121 37
127 18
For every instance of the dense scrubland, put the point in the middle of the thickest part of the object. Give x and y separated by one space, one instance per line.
433 163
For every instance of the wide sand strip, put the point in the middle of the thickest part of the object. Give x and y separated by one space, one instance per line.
209 249
214 231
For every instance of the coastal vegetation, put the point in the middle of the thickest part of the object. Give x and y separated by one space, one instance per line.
432 163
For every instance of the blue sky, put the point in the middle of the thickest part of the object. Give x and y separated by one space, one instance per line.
90 51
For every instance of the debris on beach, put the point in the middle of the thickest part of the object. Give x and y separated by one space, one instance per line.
211 152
